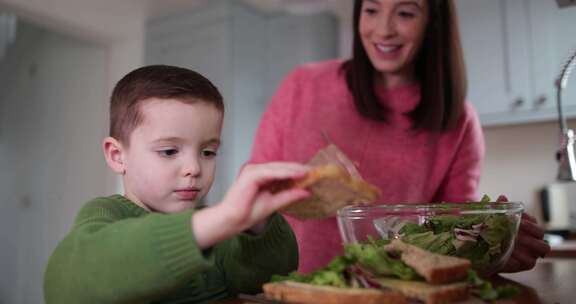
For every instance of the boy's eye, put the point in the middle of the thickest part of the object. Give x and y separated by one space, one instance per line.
209 153
168 152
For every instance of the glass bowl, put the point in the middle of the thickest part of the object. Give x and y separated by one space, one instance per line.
481 232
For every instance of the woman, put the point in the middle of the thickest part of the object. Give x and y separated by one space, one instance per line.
397 109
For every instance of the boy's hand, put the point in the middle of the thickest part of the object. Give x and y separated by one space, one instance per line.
247 202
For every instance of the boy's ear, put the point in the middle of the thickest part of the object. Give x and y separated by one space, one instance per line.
113 152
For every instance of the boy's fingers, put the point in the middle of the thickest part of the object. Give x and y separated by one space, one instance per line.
277 170
281 165
258 175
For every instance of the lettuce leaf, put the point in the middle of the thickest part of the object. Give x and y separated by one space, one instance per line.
441 243
438 234
332 274
486 291
498 232
376 261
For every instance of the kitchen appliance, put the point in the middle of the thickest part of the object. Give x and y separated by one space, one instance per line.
559 207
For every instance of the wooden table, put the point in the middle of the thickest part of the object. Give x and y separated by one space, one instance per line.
566 249
553 281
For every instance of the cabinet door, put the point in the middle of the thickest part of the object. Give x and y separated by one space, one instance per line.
494 87
294 40
203 49
517 60
514 50
553 40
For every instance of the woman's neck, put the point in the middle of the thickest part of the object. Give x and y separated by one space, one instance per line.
394 80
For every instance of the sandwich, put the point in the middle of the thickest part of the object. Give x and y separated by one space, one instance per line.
295 292
435 268
333 183
383 271
444 276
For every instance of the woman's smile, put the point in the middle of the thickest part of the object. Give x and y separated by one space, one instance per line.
388 51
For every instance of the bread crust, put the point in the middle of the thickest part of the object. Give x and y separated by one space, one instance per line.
428 293
295 292
332 188
435 268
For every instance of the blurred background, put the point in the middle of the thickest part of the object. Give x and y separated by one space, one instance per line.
59 60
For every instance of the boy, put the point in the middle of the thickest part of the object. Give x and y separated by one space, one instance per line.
153 245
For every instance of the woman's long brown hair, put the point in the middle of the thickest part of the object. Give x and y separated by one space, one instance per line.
439 69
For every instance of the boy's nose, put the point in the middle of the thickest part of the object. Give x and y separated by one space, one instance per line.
192 168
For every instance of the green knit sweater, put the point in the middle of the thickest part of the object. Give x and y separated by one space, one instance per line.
118 252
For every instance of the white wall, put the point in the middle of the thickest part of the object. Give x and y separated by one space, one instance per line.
117 25
343 10
102 21
520 160
52 120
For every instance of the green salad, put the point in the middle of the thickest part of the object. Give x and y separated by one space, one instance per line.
369 260
481 238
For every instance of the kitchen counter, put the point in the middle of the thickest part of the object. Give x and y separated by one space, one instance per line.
566 249
553 280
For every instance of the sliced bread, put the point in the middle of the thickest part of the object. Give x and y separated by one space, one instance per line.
428 293
332 188
295 292
435 268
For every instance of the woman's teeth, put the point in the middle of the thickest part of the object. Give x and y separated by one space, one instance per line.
387 49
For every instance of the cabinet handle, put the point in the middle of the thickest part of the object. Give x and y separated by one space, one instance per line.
518 102
541 100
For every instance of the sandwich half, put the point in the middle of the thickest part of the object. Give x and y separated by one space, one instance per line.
435 268
378 272
331 188
295 292
426 292
334 182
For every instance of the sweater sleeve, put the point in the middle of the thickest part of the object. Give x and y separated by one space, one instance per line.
250 260
110 259
463 177
269 141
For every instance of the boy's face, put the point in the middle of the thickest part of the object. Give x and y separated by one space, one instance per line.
170 163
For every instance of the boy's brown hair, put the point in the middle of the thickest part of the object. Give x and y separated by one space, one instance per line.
156 81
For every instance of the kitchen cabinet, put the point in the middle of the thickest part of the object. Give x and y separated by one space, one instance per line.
514 50
245 53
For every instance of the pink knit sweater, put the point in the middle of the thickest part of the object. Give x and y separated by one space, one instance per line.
408 166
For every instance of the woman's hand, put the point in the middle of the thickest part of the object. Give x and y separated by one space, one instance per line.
247 202
529 246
